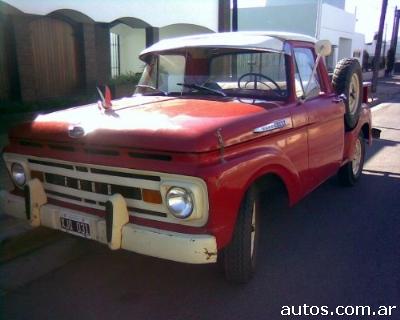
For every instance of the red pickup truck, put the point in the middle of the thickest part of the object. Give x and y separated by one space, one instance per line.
176 171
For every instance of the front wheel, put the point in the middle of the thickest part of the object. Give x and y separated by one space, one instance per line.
350 173
240 255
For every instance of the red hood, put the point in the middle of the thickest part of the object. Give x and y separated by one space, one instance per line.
155 123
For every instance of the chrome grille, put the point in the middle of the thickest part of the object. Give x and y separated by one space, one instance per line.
91 186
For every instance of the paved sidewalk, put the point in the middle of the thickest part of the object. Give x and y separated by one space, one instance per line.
11 227
28 267
388 89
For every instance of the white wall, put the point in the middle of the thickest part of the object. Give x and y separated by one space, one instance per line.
132 42
337 24
281 15
306 16
179 30
335 19
157 13
358 44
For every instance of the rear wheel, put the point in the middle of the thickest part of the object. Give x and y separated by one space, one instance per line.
351 172
240 255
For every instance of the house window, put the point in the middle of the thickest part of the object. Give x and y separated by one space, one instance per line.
115 55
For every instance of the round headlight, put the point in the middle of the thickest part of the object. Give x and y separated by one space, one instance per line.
18 174
179 202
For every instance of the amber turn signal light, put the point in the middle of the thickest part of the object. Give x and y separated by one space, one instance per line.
151 196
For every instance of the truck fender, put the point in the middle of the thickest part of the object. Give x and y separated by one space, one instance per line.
244 171
274 161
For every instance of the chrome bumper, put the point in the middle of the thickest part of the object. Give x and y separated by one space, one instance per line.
180 247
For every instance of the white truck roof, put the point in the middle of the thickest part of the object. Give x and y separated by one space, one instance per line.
267 40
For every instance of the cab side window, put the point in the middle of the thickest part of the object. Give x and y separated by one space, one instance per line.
304 64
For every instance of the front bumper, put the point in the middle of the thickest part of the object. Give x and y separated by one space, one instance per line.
180 247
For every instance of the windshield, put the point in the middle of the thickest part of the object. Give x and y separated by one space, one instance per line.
223 72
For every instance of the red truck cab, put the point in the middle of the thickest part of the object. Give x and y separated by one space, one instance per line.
175 171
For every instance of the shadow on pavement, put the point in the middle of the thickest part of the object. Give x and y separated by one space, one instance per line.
378 145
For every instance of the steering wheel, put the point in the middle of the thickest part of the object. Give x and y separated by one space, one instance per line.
260 75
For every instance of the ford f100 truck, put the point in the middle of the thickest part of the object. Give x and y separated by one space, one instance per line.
176 170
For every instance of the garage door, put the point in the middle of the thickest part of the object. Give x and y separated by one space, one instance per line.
56 58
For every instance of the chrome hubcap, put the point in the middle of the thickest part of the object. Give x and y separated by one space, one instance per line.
357 158
354 93
253 228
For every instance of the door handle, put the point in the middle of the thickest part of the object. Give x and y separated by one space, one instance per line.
340 98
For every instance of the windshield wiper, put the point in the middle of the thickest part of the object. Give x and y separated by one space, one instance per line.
203 88
152 88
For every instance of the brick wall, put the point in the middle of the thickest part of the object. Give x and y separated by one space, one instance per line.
89 52
103 53
24 56
9 82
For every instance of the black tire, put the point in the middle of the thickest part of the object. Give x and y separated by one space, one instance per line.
239 258
349 174
344 82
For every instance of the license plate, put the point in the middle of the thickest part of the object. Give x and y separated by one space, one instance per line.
76 227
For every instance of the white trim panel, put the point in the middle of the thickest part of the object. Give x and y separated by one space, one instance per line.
188 248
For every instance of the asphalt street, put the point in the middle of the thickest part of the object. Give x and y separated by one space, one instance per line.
339 246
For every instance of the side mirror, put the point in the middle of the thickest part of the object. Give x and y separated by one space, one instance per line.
323 48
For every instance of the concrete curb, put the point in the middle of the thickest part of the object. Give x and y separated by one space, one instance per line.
25 269
380 106
11 227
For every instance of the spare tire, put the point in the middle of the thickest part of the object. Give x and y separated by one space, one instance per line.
347 80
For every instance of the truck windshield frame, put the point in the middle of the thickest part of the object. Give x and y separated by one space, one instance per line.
231 72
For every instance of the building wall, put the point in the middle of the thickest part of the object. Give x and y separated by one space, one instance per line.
341 4
338 27
103 57
158 13
9 82
132 42
337 20
358 44
45 66
139 23
281 15
324 19
179 30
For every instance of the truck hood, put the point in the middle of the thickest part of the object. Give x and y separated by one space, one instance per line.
175 124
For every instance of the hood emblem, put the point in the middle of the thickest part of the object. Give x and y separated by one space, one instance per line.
76 131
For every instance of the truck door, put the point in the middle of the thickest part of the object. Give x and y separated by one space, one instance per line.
325 126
